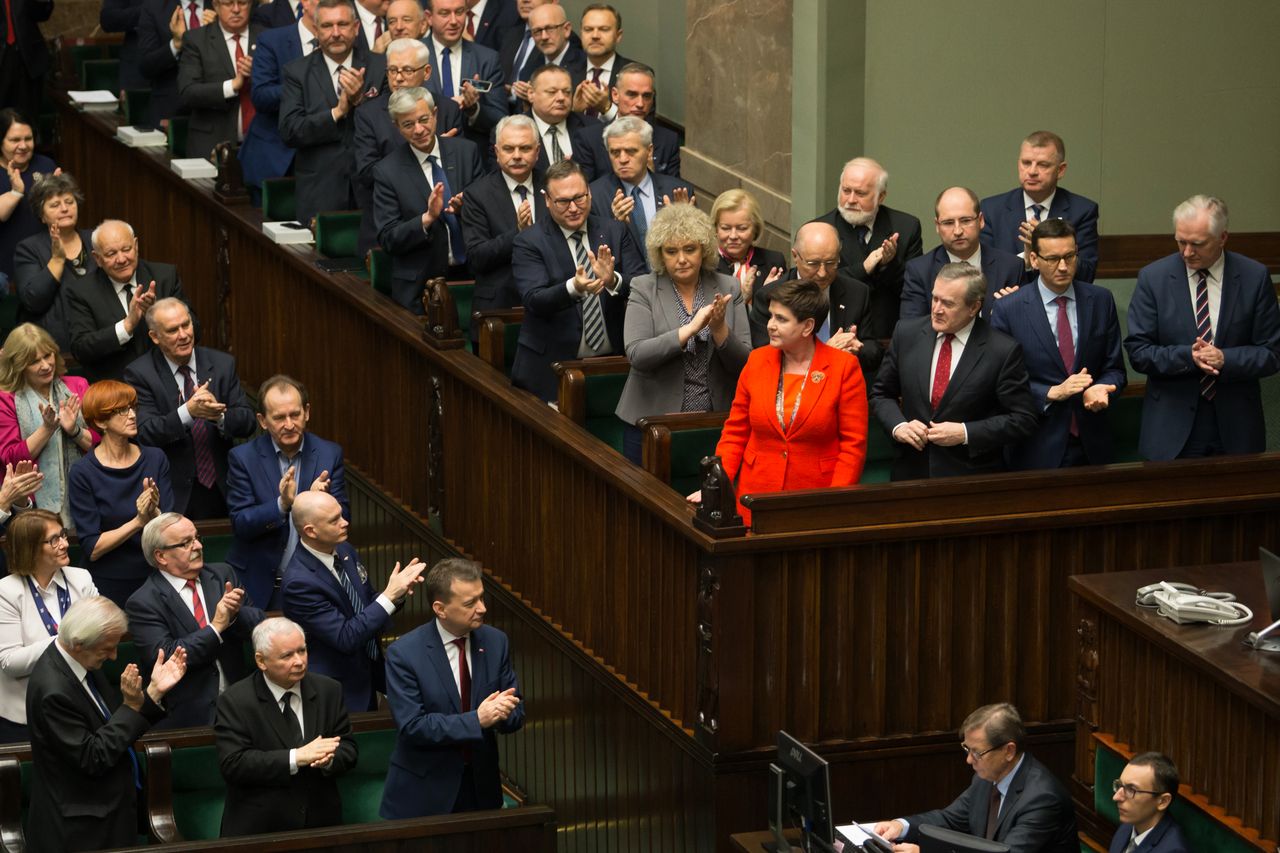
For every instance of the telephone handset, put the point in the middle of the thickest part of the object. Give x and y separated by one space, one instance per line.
1186 604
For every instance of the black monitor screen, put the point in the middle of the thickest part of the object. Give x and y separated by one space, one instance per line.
808 788
935 839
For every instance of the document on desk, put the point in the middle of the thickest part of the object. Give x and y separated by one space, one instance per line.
863 836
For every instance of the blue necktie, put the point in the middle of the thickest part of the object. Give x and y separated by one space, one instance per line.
446 74
291 542
1037 212
456 246
522 54
106 715
357 603
299 10
638 218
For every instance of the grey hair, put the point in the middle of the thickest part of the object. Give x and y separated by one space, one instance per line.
882 177
93 238
269 629
975 282
88 620
404 100
1212 205
153 533
418 46
625 125
161 305
522 122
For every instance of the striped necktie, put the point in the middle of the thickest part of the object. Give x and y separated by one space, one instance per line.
357 603
1204 330
592 315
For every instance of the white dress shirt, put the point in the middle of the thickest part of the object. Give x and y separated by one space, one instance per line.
180 587
566 146
124 293
974 261
228 91
334 66
305 37
368 22
1214 286
1027 203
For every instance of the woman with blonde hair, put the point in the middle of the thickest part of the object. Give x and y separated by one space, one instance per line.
739 226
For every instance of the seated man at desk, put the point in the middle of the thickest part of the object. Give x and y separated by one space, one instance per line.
1143 794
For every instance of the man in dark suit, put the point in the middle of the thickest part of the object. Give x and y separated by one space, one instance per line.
263 478
451 689
320 93
499 206
105 309
1204 328
370 15
958 220
278 13
417 192
1070 338
122 16
326 590
537 44
214 79
194 605
598 70
876 241
1010 217
1146 788
263 153
562 133
85 778
24 56
630 192
283 737
489 20
1033 811
573 271
189 405
456 63
163 26
634 93
963 386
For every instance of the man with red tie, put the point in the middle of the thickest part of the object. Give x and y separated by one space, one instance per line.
215 72
963 386
597 71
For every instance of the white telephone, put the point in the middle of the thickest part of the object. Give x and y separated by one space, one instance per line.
1186 604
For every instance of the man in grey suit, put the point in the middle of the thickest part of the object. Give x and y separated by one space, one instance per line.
417 193
214 77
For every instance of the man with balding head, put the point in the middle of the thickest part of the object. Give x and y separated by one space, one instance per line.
326 590
958 220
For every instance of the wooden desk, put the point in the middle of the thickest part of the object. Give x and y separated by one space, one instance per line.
1194 692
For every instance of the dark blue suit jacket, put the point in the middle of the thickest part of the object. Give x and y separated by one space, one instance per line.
481 60
263 153
156 60
552 328
1165 837
586 137
603 188
499 16
253 492
159 618
1021 315
1162 327
489 226
337 636
426 766
122 16
1000 268
1005 213
277 13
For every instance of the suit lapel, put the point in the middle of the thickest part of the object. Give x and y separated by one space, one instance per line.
1084 323
76 688
1184 311
413 169
921 374
560 254
1227 305
319 73
1061 206
218 46
168 382
479 669
1039 321
440 660
819 379
173 600
311 723
972 354
272 711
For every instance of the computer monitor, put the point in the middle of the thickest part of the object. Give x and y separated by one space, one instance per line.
800 794
936 839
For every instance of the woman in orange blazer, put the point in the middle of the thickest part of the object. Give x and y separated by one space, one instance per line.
799 418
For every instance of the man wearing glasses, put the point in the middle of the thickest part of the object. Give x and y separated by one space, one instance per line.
573 271
196 605
1143 794
1013 798
215 74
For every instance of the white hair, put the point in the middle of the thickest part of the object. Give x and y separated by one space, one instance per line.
268 629
93 238
403 100
625 125
88 620
882 178
153 533
521 122
164 305
419 47
1199 203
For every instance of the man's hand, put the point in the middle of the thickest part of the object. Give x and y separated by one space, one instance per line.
455 204
131 687
602 264
524 215
883 254
521 90
497 706
679 195
1207 357
244 71
68 413
946 434
402 581
1098 397
1005 291
622 206
352 92
208 16
228 608
584 283
1074 384
914 433
19 482
318 753
847 341
888 829
148 502
589 96
1024 234
322 482
467 98
381 42
166 673
202 403
289 488
177 26
142 299
435 206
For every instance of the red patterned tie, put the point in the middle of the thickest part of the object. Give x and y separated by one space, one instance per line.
471 26
1204 330
942 373
196 607
595 81
464 687
9 36
1066 348
206 473
246 102
193 16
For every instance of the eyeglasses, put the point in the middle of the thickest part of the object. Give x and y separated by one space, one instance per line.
975 754
1054 260
1131 791
546 31
123 410
824 264
574 201
963 222
397 71
185 544
60 536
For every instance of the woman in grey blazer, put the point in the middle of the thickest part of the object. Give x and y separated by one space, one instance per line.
686 330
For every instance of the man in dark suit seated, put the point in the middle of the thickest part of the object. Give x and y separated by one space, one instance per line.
417 193
595 74
1013 799
263 478
573 271
458 65
958 221
962 385
214 79
189 405
562 133
1146 788
876 241
630 192
451 689
105 309
1070 337
498 207
163 27
194 605
634 93
85 778
1204 328
326 590
1010 217
283 738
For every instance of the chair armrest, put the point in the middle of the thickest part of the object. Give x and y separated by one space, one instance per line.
572 397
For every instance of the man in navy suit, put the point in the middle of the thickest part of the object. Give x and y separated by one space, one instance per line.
1070 337
553 45
162 29
122 16
634 93
326 590
456 62
196 605
958 221
573 271
451 688
562 133
598 70
190 406
1010 217
630 192
417 192
487 21
1204 328
278 13
1146 788
265 476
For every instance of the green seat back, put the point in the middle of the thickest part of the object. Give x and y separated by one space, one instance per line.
279 199
8 313
1125 419
337 233
463 295
880 454
137 106
126 653
216 548
177 137
380 271
81 53
101 74
361 788
1107 766
199 792
602 395
688 448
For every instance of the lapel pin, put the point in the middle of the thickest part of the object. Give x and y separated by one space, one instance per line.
817 376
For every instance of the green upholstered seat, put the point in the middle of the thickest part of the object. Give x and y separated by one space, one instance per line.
216 548
880 454
82 53
337 233
601 394
98 74
688 448
177 137
279 199
199 792
463 296
380 271
1125 418
361 787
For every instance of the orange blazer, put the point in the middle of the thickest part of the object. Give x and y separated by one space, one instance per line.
825 446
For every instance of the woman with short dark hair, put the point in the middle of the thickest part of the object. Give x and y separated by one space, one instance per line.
47 262
20 167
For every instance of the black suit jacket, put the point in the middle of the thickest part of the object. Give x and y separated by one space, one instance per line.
988 392
156 60
277 13
30 43
510 45
763 260
41 299
159 618
499 17
203 66
160 426
82 786
489 226
586 137
253 754
1000 268
850 302
122 16
604 188
579 70
94 308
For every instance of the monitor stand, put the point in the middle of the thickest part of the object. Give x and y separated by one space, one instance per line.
1262 641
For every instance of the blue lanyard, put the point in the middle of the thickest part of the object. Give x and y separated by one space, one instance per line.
64 604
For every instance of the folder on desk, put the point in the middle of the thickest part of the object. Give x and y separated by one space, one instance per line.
193 167
287 233
137 137
96 101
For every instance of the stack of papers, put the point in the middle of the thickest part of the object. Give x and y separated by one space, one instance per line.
136 137
863 837
97 101
194 167
286 233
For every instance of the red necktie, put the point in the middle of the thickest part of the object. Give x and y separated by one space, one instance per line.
942 373
246 102
196 607
377 28
9 36
193 16
206 473
993 811
1066 348
471 25
595 81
